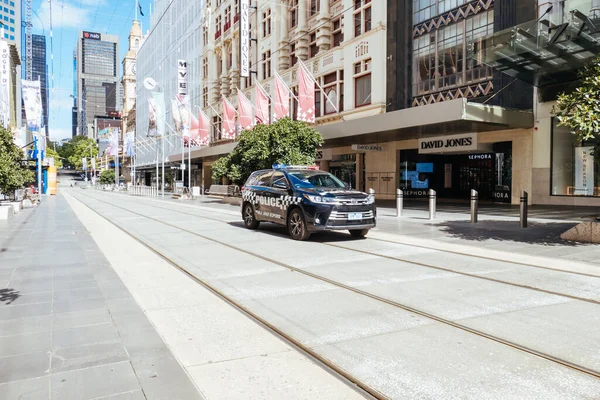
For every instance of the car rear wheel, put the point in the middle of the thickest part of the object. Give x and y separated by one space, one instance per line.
359 233
249 217
297 226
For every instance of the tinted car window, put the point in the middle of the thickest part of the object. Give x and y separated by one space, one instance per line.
253 179
264 179
316 179
279 177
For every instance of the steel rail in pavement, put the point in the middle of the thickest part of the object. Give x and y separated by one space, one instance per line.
349 377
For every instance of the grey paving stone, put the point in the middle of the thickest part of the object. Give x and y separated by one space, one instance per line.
94 382
135 395
163 378
62 285
29 389
69 320
79 305
114 289
24 326
73 295
17 298
27 343
91 355
83 335
24 366
24 311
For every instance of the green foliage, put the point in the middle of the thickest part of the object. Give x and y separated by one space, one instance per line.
75 149
107 176
13 173
580 110
283 142
50 153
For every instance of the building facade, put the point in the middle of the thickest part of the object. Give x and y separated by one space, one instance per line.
129 81
40 72
97 79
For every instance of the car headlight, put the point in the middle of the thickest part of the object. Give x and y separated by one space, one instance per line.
319 199
370 199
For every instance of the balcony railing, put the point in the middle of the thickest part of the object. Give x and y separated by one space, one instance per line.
217 35
236 18
227 26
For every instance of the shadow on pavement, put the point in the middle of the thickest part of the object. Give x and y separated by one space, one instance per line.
317 237
7 296
536 233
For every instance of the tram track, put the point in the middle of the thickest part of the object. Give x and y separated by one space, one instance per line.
437 267
353 381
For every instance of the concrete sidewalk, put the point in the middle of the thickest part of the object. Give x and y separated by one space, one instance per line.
69 328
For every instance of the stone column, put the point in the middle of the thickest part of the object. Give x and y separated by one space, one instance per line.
303 42
282 37
224 69
213 79
326 27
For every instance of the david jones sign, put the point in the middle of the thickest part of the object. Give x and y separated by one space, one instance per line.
448 144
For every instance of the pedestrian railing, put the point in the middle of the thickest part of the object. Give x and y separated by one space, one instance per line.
140 190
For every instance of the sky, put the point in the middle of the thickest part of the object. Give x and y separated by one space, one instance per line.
68 18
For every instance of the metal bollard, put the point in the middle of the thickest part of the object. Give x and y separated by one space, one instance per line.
399 202
432 200
474 205
523 209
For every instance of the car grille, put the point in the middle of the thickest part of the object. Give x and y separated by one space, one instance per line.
343 216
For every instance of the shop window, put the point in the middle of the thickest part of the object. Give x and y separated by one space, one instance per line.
574 164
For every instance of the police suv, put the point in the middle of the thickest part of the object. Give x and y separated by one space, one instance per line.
306 200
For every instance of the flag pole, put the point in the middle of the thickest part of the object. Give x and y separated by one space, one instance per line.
302 65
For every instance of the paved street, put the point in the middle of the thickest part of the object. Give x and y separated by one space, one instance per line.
417 310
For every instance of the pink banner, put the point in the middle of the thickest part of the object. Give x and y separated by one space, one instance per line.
228 125
203 129
262 106
244 111
281 100
306 96
194 131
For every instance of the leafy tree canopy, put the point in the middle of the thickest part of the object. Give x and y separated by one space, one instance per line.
283 142
50 153
77 148
14 174
580 110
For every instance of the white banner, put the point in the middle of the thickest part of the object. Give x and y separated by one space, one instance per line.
84 164
584 171
4 84
244 38
93 160
32 100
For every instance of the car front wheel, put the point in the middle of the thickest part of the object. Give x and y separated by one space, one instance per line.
359 233
249 217
297 225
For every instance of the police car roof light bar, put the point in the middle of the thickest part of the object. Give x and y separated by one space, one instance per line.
286 166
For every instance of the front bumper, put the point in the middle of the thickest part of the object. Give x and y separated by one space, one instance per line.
335 218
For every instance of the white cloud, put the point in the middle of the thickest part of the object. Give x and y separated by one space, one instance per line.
66 14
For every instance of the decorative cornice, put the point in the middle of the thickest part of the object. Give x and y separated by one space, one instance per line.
469 92
452 17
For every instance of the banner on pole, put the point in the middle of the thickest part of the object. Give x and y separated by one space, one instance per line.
32 100
262 106
113 148
281 100
93 162
84 164
306 95
228 124
244 38
129 143
152 113
4 84
159 102
244 111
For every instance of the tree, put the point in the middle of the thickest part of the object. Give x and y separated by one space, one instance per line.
80 148
580 109
75 149
283 142
107 177
50 153
13 173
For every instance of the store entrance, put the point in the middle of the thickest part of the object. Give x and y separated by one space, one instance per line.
453 176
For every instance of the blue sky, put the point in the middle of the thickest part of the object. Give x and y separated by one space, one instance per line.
68 18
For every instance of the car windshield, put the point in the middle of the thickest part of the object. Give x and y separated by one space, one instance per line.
315 179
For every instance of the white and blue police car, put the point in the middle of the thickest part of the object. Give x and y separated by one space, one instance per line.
306 200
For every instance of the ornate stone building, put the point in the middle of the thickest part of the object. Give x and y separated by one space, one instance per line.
129 77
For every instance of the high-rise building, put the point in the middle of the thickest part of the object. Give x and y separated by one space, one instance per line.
10 16
97 79
40 72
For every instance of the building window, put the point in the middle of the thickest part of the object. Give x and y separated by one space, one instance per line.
205 67
266 23
314 49
293 13
314 7
338 31
293 58
218 27
227 19
575 168
205 35
204 97
362 83
362 16
216 128
266 64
